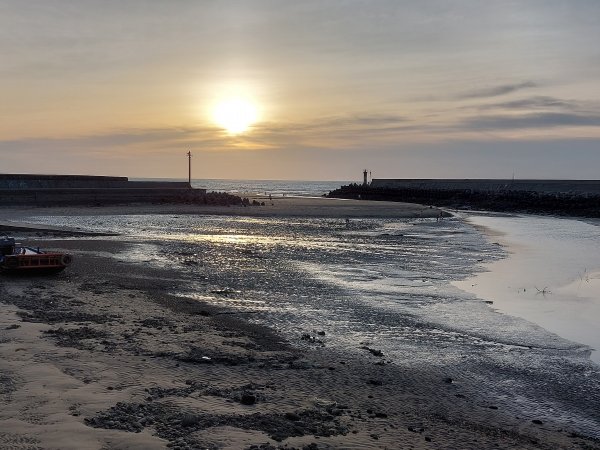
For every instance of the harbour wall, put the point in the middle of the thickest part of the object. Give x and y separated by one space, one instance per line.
31 181
40 190
558 197
580 187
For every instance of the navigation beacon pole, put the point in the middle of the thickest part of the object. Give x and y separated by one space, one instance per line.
189 154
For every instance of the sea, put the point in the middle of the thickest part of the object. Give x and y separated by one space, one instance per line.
273 187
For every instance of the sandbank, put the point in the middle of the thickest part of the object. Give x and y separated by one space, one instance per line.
275 207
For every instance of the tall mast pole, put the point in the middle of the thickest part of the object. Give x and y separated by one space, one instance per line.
189 154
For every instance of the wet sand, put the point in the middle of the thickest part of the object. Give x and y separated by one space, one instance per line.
101 356
551 275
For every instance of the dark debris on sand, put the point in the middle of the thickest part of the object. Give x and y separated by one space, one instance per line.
177 426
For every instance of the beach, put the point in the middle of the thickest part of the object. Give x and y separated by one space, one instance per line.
305 323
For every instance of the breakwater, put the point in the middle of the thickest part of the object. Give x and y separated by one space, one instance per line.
42 190
563 197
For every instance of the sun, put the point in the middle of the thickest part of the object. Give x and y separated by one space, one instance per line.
235 115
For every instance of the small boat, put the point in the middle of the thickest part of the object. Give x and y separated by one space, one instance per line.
16 258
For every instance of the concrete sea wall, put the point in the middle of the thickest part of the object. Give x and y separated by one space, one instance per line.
30 189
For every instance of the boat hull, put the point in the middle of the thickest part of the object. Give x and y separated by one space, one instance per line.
37 263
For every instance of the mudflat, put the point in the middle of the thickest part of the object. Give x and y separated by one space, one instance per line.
105 356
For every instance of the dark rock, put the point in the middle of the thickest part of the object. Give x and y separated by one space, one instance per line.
373 351
248 399
311 446
537 421
292 416
448 380
190 420
335 411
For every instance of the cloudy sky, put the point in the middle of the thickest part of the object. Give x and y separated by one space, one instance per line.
432 88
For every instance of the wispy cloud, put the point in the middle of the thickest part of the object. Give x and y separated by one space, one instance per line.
538 102
535 120
496 91
150 139
336 123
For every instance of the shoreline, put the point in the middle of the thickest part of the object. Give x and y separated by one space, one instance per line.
115 360
531 283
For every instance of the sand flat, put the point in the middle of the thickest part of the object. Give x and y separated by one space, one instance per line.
128 365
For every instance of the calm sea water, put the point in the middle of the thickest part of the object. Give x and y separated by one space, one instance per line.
273 187
295 188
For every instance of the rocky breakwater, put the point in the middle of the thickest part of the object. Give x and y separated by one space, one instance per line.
579 204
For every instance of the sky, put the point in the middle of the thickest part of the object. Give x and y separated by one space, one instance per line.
406 89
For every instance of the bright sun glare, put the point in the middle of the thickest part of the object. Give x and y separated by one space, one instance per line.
235 115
